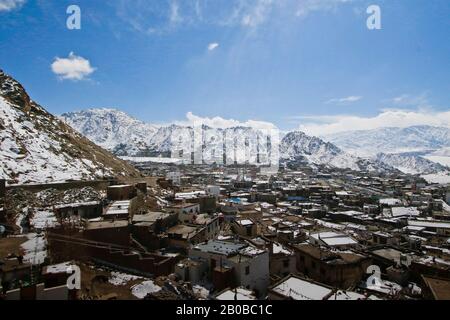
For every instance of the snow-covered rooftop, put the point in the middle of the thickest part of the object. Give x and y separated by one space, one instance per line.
300 289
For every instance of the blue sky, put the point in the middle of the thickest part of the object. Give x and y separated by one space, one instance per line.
293 63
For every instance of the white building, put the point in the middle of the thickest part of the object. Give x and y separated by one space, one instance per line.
244 227
187 212
390 202
213 190
332 239
175 177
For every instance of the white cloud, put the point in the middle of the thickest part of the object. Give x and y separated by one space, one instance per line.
345 100
72 68
219 122
213 46
7 5
323 125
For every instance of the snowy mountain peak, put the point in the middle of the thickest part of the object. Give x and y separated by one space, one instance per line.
411 163
298 146
112 129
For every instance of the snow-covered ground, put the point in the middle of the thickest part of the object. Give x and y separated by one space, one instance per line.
200 291
35 248
141 290
121 279
44 219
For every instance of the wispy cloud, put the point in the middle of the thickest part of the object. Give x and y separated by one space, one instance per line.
174 14
8 5
305 7
212 46
163 17
73 68
323 125
257 13
349 99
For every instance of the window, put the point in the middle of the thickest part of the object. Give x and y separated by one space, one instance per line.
247 270
286 263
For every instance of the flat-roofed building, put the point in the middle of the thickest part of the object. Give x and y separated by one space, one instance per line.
297 288
342 269
121 192
332 239
118 210
187 212
438 226
234 263
244 227
85 210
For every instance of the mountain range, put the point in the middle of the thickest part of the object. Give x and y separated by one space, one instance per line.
295 146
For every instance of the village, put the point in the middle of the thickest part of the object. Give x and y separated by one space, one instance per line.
227 233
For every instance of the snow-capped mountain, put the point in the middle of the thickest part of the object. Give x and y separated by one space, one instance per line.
297 146
392 140
113 130
411 163
125 136
161 142
416 149
36 146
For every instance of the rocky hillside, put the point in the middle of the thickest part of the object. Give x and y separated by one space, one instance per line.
36 146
